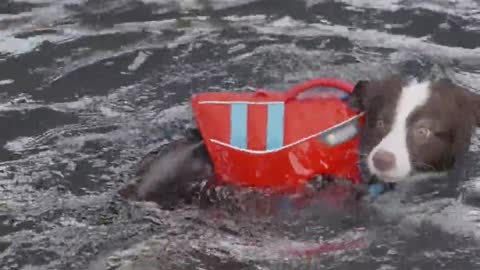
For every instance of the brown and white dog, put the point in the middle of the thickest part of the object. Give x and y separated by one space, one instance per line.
413 130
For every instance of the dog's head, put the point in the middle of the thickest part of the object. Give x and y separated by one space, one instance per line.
414 129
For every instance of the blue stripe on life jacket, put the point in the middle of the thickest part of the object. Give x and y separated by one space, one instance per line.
238 125
275 121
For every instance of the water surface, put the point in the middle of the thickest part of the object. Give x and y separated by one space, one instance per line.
88 87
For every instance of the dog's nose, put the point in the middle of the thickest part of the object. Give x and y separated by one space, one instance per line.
383 160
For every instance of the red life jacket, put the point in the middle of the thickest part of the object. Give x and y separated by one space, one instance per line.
278 140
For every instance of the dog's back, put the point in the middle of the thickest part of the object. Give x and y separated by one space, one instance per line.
171 173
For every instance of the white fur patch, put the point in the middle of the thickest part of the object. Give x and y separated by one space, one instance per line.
412 96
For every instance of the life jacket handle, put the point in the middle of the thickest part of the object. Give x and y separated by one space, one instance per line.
293 92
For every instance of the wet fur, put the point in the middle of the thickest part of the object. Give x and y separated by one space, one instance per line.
172 173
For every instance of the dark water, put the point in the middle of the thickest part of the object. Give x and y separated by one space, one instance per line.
88 87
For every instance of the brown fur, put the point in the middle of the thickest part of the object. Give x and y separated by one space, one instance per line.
451 113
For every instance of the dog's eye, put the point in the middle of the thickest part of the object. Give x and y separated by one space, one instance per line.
424 132
380 124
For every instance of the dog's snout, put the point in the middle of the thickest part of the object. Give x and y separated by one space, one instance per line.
383 160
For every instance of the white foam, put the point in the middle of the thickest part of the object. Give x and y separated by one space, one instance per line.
79 104
13 45
109 112
138 61
465 8
18 144
151 26
247 18
287 22
196 4
71 222
7 81
236 48
5 107
384 4
41 1
79 141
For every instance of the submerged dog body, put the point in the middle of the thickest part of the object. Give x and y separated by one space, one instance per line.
412 130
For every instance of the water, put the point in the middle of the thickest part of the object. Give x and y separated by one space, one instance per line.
88 87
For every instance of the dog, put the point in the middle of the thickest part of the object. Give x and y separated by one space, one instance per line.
413 130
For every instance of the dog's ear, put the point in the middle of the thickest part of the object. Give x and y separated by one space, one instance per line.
358 98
